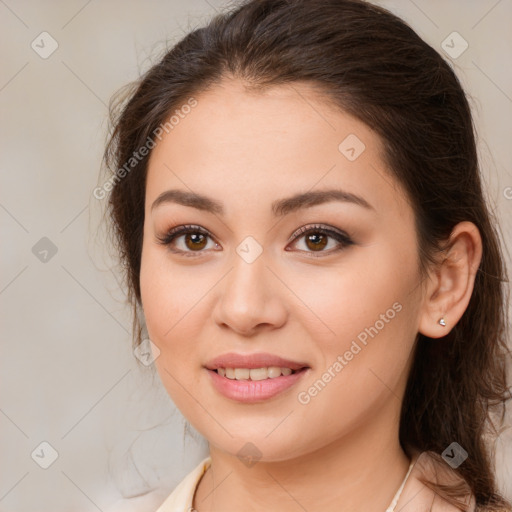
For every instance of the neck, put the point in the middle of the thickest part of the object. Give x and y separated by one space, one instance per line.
361 471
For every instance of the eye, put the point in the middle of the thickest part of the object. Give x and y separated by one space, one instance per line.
316 239
187 240
191 240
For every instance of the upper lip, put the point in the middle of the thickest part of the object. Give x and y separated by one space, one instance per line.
258 360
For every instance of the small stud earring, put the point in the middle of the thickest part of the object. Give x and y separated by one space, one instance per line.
442 321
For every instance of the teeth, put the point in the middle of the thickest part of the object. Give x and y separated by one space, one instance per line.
274 371
253 373
242 373
259 373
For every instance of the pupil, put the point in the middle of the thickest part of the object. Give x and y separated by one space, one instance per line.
320 242
197 239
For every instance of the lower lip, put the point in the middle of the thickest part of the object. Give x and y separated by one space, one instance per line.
251 391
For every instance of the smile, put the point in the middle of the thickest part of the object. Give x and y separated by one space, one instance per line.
270 372
245 389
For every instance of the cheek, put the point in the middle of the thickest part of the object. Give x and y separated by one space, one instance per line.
177 306
168 310
166 299
167 293
344 300
364 327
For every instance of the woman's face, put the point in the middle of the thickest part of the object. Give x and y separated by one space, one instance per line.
271 268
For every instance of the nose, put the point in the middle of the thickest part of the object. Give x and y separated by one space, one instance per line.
250 298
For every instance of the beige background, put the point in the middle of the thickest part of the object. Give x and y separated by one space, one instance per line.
68 375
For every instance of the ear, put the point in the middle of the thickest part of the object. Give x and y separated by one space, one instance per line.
451 282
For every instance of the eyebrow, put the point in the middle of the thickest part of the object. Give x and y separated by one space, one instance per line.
279 208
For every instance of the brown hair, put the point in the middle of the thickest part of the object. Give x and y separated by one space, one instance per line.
372 65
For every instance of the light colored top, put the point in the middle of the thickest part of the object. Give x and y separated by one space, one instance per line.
415 497
181 499
398 493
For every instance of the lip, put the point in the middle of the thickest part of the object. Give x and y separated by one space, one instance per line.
257 360
252 391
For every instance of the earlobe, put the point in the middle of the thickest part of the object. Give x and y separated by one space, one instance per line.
449 290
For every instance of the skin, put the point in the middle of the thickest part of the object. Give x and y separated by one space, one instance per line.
247 150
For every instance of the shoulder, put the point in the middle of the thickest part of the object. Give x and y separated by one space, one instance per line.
182 497
159 500
419 496
147 502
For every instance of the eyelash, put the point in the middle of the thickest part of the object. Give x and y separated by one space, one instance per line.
339 236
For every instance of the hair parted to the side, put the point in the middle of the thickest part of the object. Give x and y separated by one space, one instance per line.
372 65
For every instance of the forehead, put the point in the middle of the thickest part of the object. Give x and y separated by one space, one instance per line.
237 144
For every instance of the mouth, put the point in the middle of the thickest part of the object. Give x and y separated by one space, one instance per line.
255 377
256 361
256 374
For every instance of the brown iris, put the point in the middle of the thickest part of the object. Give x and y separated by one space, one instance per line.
318 241
195 241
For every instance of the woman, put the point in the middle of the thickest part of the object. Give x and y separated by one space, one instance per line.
297 202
